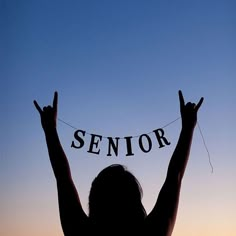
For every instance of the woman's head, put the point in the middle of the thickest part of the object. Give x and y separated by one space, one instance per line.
116 195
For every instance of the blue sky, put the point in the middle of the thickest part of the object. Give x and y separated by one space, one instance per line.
117 66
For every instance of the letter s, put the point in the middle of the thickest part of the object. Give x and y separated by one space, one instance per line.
78 138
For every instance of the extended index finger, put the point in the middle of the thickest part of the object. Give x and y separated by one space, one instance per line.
181 99
55 100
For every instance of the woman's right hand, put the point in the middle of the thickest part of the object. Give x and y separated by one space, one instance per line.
189 111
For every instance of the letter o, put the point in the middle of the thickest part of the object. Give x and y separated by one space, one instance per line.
149 141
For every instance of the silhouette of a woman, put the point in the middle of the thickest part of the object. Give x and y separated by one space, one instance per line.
115 199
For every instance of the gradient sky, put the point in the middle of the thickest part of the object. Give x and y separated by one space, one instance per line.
117 66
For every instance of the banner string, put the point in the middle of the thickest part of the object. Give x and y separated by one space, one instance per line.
136 136
73 127
208 153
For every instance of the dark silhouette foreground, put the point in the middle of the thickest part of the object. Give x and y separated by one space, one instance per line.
115 206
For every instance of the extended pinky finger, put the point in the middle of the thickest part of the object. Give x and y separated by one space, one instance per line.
199 103
38 107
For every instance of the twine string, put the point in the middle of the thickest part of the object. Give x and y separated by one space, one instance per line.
204 142
133 136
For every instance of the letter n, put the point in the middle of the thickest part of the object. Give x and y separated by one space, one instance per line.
113 145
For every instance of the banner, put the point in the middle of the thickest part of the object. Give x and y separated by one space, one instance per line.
145 142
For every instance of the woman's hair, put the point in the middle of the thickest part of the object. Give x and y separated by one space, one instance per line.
116 195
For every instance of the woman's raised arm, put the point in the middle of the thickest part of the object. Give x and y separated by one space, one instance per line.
72 216
162 218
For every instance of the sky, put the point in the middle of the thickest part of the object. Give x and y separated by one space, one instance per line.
117 67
